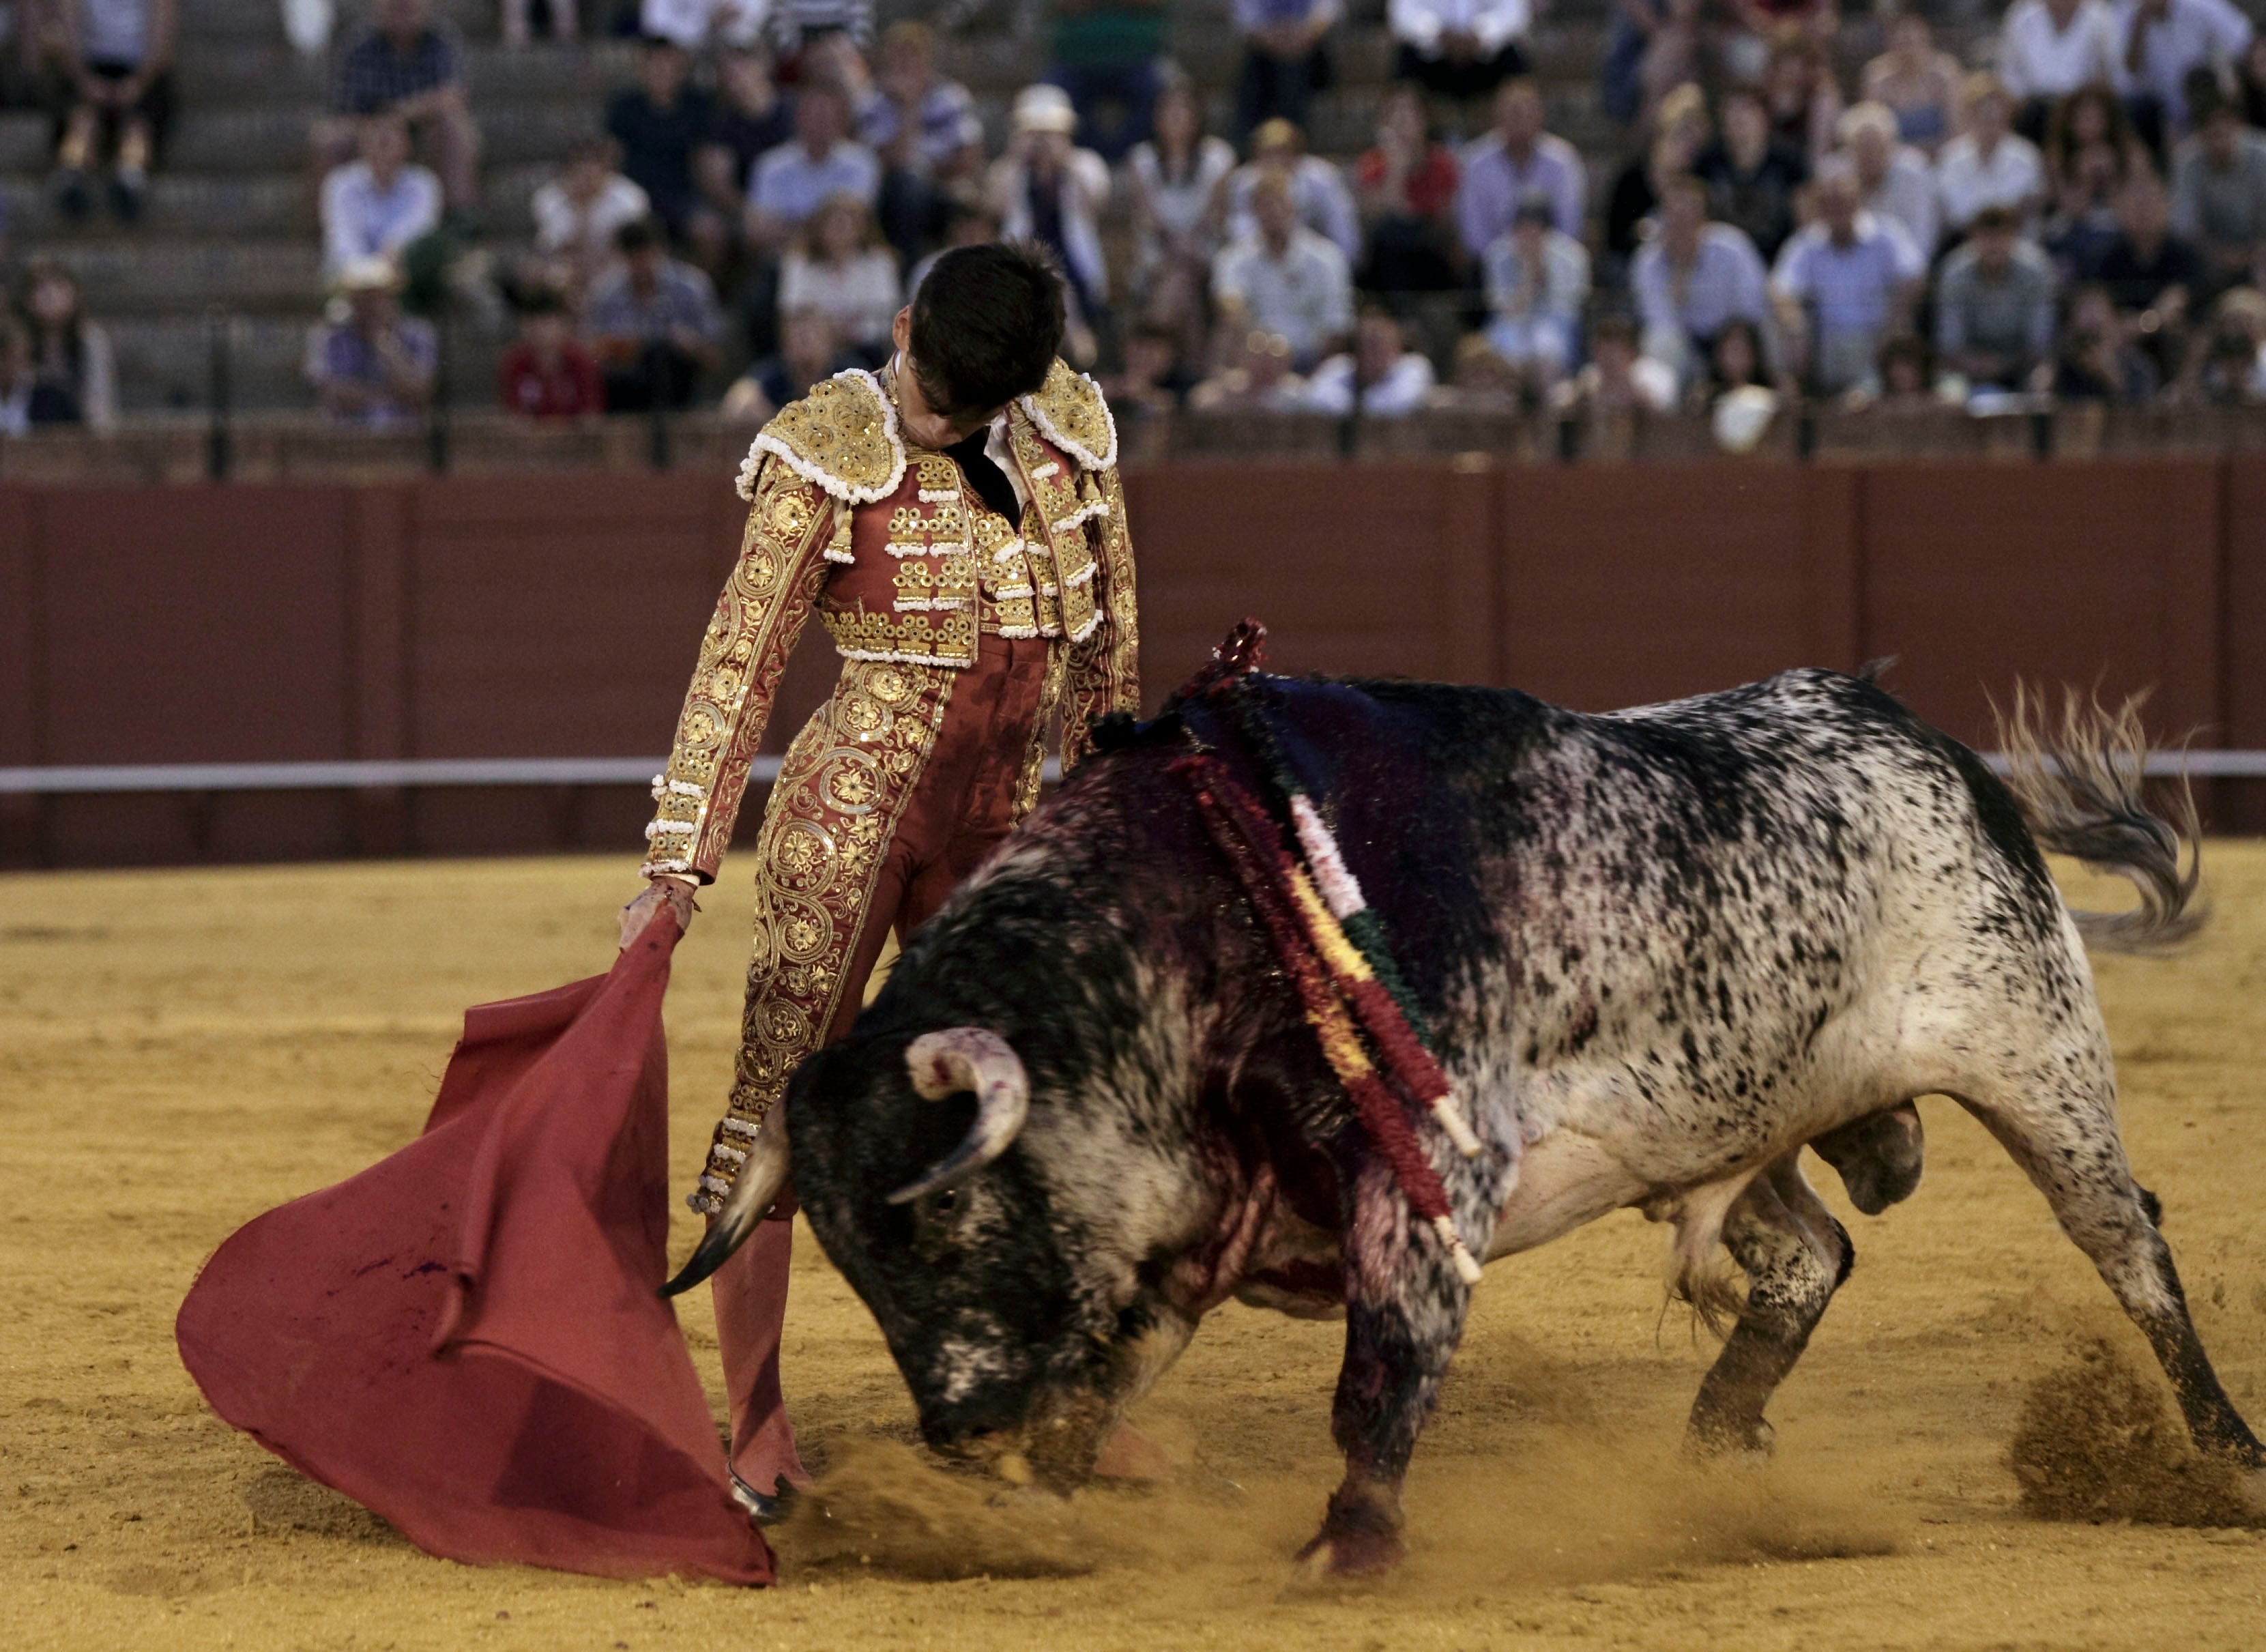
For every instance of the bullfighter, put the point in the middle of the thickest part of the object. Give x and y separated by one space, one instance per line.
956 522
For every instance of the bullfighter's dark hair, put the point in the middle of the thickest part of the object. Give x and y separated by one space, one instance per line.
987 325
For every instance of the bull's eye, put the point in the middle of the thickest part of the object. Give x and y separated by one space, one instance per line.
947 1202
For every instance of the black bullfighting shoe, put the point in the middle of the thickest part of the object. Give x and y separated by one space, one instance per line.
765 1509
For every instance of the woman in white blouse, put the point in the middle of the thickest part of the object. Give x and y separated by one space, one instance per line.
840 268
1177 182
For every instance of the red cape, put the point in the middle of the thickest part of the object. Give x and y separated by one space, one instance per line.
465 1337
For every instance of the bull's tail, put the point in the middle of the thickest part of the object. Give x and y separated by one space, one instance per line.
2079 787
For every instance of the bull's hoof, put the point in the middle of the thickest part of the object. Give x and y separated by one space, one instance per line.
1728 1441
1129 1456
1360 1535
1351 1554
2252 1490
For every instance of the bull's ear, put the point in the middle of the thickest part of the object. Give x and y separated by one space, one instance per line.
968 1058
762 1177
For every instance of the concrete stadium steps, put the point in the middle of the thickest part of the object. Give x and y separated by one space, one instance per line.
165 362
251 74
274 140
122 277
179 205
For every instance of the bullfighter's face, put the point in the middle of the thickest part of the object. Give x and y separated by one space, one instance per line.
1014 1301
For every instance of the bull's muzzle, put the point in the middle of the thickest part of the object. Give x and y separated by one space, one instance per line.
975 1059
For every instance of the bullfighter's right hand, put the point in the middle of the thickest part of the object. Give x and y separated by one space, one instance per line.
666 890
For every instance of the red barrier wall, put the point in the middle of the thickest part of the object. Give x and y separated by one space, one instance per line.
558 615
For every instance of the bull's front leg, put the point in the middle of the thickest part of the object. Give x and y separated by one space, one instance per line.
1405 1310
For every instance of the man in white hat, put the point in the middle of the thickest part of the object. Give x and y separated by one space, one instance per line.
370 364
1046 189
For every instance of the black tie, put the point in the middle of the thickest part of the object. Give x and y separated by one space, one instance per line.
989 482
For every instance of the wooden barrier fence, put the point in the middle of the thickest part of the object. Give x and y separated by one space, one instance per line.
556 616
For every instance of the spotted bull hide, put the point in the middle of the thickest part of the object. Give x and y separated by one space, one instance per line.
1659 952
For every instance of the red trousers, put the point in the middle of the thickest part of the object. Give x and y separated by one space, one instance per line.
951 804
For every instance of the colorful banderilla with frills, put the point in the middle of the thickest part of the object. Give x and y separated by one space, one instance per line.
1331 972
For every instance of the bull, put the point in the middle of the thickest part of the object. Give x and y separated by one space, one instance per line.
1659 952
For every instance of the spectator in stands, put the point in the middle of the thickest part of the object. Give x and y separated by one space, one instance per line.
2096 361
752 118
547 374
517 22
2232 371
1284 279
2152 276
811 350
1380 377
1994 307
1918 84
1285 61
405 64
1317 188
661 124
1636 191
2162 43
2050 49
654 324
1178 185
577 213
1154 380
1405 191
1902 379
1046 189
1753 27
375 207
1753 177
74 374
788 184
1462 50
926 130
1618 381
2090 150
1843 286
1800 92
114 84
1893 179
1108 55
2218 187
1735 361
1988 164
375 369
698 25
1693 279
1654 48
841 267
806 28
1538 280
1517 159
967 224
17 380
1262 379
1483 381
2250 81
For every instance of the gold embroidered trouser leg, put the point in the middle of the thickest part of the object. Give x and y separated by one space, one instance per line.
897 789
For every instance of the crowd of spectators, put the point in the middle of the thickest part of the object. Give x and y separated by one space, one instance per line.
2075 207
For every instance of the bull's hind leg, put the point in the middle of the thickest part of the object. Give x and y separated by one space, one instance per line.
1795 1256
2063 1134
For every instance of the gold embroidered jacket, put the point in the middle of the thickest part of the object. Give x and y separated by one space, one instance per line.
904 564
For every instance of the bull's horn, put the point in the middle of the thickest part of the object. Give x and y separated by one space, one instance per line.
755 1190
968 1058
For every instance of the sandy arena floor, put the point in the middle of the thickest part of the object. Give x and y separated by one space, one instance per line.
178 1051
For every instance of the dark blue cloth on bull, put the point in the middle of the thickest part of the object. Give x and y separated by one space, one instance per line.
1371 768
